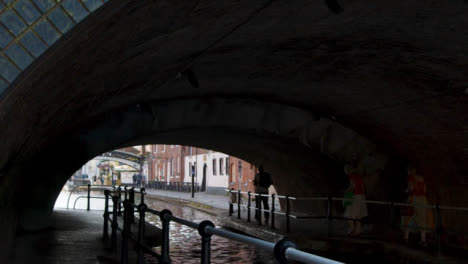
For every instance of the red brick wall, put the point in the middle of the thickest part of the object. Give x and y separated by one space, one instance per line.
248 174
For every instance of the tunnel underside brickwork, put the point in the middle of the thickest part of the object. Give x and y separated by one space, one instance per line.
288 84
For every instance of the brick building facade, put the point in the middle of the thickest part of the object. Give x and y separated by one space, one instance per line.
214 171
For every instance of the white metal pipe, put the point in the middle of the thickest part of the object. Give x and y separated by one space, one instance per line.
297 255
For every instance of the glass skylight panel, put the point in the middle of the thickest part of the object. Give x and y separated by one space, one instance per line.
2 6
11 21
92 4
19 56
45 5
5 38
7 70
75 9
47 32
33 44
61 20
27 11
8 2
3 86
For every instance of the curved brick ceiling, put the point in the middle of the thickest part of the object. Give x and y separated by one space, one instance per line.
30 27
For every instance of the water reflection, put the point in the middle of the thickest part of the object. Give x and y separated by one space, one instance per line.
185 242
185 246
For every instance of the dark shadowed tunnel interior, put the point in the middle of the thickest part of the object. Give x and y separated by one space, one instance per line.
290 85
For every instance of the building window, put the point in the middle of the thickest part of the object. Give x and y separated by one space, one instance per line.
190 151
163 148
172 146
214 166
171 167
178 165
227 165
163 169
221 169
155 148
239 169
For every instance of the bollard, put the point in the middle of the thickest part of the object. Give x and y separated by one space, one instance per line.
89 196
238 204
142 195
164 215
272 211
114 225
141 232
248 207
330 216
288 220
119 191
106 215
206 241
231 207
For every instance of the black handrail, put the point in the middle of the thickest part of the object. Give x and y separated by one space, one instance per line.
283 250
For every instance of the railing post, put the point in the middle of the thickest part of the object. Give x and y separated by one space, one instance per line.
106 215
206 241
438 230
142 195
288 219
248 207
89 196
119 191
125 190
141 232
330 215
272 211
238 204
165 259
132 201
231 207
259 208
114 225
280 248
124 246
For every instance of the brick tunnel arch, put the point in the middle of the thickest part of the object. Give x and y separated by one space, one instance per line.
403 89
300 150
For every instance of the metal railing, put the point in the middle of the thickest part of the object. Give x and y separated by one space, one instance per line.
284 251
88 196
172 186
236 201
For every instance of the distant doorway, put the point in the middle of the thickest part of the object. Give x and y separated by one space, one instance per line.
203 185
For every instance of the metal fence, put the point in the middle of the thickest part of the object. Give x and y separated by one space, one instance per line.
284 251
173 186
333 212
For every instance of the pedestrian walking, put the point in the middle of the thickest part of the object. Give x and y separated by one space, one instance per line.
262 182
357 209
134 178
102 180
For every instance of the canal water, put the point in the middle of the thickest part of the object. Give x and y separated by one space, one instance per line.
185 244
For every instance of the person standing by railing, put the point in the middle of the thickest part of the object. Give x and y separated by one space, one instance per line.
420 217
262 182
357 210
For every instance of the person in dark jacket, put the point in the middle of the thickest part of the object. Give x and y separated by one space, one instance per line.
262 182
